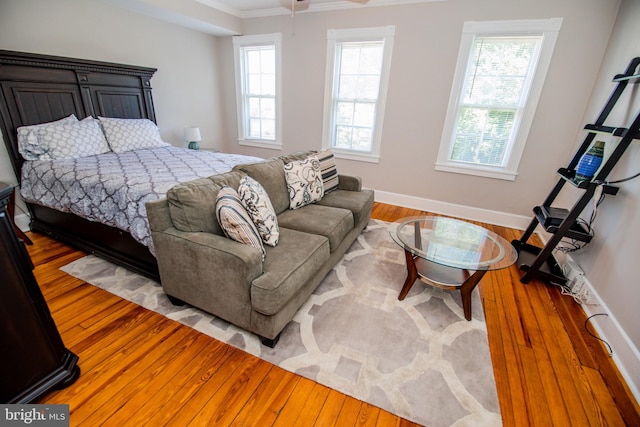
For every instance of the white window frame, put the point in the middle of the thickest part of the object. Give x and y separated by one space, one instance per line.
385 34
240 42
548 29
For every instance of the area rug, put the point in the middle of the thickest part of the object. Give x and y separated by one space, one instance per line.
418 358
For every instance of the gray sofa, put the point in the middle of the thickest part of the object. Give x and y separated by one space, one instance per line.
200 266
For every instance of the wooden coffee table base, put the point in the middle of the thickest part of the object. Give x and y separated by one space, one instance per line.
442 277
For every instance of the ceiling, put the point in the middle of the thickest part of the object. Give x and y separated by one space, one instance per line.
226 16
258 8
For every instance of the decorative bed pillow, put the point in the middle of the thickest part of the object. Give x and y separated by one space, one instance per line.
304 182
258 205
235 221
28 144
131 134
328 170
72 140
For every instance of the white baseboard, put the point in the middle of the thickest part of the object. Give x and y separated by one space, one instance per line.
518 222
625 354
22 221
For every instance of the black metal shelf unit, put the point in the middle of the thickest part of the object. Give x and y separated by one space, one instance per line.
540 262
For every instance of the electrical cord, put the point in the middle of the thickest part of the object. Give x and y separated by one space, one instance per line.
565 290
624 179
586 323
573 245
569 246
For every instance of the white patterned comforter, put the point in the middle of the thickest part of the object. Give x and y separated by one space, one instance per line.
113 188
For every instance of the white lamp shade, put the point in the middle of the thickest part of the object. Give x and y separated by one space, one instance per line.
192 133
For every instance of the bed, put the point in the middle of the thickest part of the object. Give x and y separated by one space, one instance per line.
39 89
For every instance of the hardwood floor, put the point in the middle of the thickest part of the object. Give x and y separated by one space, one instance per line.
139 368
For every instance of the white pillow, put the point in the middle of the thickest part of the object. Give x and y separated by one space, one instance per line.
29 146
131 134
235 221
304 182
258 205
72 140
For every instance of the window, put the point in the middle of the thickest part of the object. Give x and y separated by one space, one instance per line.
257 62
358 64
498 79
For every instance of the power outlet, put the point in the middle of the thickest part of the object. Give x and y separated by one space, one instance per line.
574 275
576 285
576 281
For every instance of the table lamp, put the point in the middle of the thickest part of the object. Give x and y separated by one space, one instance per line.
192 135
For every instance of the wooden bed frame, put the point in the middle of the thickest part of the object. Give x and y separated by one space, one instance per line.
42 88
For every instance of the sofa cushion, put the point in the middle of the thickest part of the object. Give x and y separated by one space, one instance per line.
235 220
358 202
304 182
297 258
256 200
332 223
192 204
270 174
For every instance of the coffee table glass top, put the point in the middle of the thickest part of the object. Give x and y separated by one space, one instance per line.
453 243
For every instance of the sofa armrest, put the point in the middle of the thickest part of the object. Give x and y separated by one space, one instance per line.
349 183
208 271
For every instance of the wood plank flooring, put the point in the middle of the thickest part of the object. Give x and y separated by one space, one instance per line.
139 368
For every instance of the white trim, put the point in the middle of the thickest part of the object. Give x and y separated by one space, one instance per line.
515 26
518 222
257 40
477 170
22 222
625 354
259 144
549 29
354 155
385 34
361 34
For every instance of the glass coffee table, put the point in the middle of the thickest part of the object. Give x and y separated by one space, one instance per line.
450 254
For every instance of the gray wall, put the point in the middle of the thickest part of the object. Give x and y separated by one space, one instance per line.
609 261
424 58
185 88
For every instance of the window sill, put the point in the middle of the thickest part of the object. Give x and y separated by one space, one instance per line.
260 144
475 170
360 157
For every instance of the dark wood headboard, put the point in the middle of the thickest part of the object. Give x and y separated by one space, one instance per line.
42 88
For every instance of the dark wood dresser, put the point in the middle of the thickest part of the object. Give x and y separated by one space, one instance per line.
33 358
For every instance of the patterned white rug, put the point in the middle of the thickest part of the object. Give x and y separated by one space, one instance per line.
418 358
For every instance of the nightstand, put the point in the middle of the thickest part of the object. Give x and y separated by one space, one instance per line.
34 358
